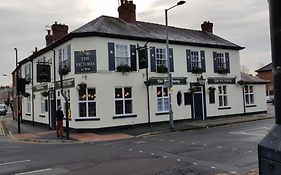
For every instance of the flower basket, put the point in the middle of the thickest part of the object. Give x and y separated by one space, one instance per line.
45 93
222 71
124 68
196 70
82 86
211 89
194 89
162 69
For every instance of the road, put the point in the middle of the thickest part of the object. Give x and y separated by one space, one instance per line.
229 149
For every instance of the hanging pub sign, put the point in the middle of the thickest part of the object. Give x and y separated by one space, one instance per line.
43 73
85 61
143 57
221 80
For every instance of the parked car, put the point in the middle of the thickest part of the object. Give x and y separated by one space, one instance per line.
3 109
270 99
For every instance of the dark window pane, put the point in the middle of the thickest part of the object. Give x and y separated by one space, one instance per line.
82 94
159 91
119 107
220 101
252 99
91 94
128 93
128 107
212 97
179 98
118 93
92 109
225 101
165 92
82 110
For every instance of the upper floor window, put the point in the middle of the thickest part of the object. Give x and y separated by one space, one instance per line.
122 55
195 61
160 58
221 63
249 95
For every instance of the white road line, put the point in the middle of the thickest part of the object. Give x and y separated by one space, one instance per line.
37 171
9 163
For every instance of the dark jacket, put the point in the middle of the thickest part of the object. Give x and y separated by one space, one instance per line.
59 115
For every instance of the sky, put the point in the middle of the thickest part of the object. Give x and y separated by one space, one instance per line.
24 24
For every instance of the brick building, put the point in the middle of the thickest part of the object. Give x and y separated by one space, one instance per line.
266 74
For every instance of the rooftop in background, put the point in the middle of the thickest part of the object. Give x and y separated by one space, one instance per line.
265 68
250 79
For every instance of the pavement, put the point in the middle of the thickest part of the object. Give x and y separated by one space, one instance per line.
43 134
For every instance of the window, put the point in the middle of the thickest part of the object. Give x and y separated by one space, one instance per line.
122 55
212 97
160 58
123 101
249 95
195 60
162 99
179 98
28 104
221 61
87 102
222 96
27 71
43 105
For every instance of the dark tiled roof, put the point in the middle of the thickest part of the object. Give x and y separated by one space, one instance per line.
247 78
265 68
152 32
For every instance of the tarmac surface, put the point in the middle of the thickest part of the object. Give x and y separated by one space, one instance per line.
39 133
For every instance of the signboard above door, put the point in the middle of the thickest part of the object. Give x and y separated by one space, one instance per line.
221 80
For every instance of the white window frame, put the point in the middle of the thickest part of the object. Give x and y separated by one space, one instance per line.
163 100
160 57
42 104
87 101
122 57
248 93
223 97
221 61
123 99
195 61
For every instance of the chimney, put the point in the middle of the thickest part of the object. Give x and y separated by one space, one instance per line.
127 11
58 31
49 38
207 26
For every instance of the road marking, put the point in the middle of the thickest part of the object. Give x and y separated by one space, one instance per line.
253 131
194 163
140 151
233 172
9 163
36 171
213 167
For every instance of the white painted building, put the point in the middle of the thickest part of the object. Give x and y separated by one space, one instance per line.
95 54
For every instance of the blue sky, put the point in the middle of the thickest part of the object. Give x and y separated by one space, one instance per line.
23 24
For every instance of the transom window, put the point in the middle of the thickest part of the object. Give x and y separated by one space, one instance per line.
87 102
249 95
160 57
162 99
195 59
223 102
122 55
123 101
221 61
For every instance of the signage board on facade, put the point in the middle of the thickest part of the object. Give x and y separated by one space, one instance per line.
162 80
69 83
40 87
85 62
221 80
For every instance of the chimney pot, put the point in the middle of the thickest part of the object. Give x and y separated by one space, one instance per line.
207 26
127 11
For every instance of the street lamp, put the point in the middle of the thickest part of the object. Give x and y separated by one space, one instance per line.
170 84
201 80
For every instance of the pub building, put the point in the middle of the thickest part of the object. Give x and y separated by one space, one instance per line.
114 73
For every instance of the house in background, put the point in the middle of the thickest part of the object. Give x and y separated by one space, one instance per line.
266 74
116 74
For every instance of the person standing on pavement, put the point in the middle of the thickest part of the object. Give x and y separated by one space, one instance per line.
59 118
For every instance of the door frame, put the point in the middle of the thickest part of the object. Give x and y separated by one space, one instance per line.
203 96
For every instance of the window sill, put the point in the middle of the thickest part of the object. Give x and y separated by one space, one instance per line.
224 108
162 113
87 119
42 116
124 116
251 106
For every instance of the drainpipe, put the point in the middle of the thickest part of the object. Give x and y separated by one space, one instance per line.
55 93
32 92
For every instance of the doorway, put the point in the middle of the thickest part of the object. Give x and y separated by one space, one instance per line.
198 104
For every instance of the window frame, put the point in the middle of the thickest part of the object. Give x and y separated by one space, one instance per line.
87 101
248 92
160 52
221 61
223 96
123 99
163 98
195 63
118 55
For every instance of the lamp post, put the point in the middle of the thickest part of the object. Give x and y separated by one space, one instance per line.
170 84
18 95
